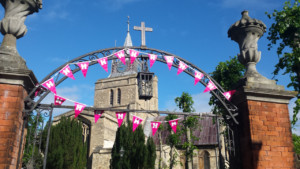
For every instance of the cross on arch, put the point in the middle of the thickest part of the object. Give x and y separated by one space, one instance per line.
143 29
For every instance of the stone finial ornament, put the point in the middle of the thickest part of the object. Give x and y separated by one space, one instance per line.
12 27
246 33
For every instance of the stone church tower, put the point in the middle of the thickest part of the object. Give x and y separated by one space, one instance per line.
119 91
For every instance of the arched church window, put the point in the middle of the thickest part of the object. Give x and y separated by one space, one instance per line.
111 97
119 96
206 160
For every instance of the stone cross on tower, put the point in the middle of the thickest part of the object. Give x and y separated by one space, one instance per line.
143 29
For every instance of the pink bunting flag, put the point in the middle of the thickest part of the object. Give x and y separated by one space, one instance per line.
50 85
169 60
152 59
133 55
198 77
58 100
78 108
173 124
121 56
97 114
229 94
83 67
103 63
120 117
67 72
182 66
210 86
136 122
154 126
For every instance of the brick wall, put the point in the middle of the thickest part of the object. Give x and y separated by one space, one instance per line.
11 121
266 138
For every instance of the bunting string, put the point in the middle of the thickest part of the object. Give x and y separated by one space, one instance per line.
66 70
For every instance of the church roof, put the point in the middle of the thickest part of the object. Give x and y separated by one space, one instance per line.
128 42
206 131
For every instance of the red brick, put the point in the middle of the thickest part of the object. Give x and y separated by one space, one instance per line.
7 122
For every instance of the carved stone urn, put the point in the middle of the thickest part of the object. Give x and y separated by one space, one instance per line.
12 27
246 33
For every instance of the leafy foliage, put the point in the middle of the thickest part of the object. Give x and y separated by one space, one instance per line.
296 141
136 154
185 103
227 74
67 149
151 154
286 31
32 125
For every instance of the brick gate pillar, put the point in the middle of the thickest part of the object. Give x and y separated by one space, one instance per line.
265 129
13 91
265 135
16 80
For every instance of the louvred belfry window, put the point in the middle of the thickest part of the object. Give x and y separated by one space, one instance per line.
111 97
119 96
145 81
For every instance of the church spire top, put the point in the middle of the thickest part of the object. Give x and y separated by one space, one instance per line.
128 42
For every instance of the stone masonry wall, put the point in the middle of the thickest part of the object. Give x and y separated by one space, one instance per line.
270 133
11 121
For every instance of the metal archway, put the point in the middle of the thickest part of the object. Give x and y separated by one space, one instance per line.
31 105
218 93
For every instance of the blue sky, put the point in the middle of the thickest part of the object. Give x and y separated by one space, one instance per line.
195 30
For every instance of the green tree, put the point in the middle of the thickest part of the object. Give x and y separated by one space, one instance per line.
296 141
33 125
185 103
67 149
173 140
286 31
151 154
135 155
227 74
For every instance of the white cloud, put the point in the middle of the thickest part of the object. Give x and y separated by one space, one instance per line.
114 5
201 102
73 93
57 11
246 4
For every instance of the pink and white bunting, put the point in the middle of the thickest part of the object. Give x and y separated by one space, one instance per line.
229 94
136 122
120 117
198 77
169 60
152 59
103 63
210 86
133 54
78 108
121 56
83 67
67 72
154 125
50 85
173 124
58 100
97 114
182 66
